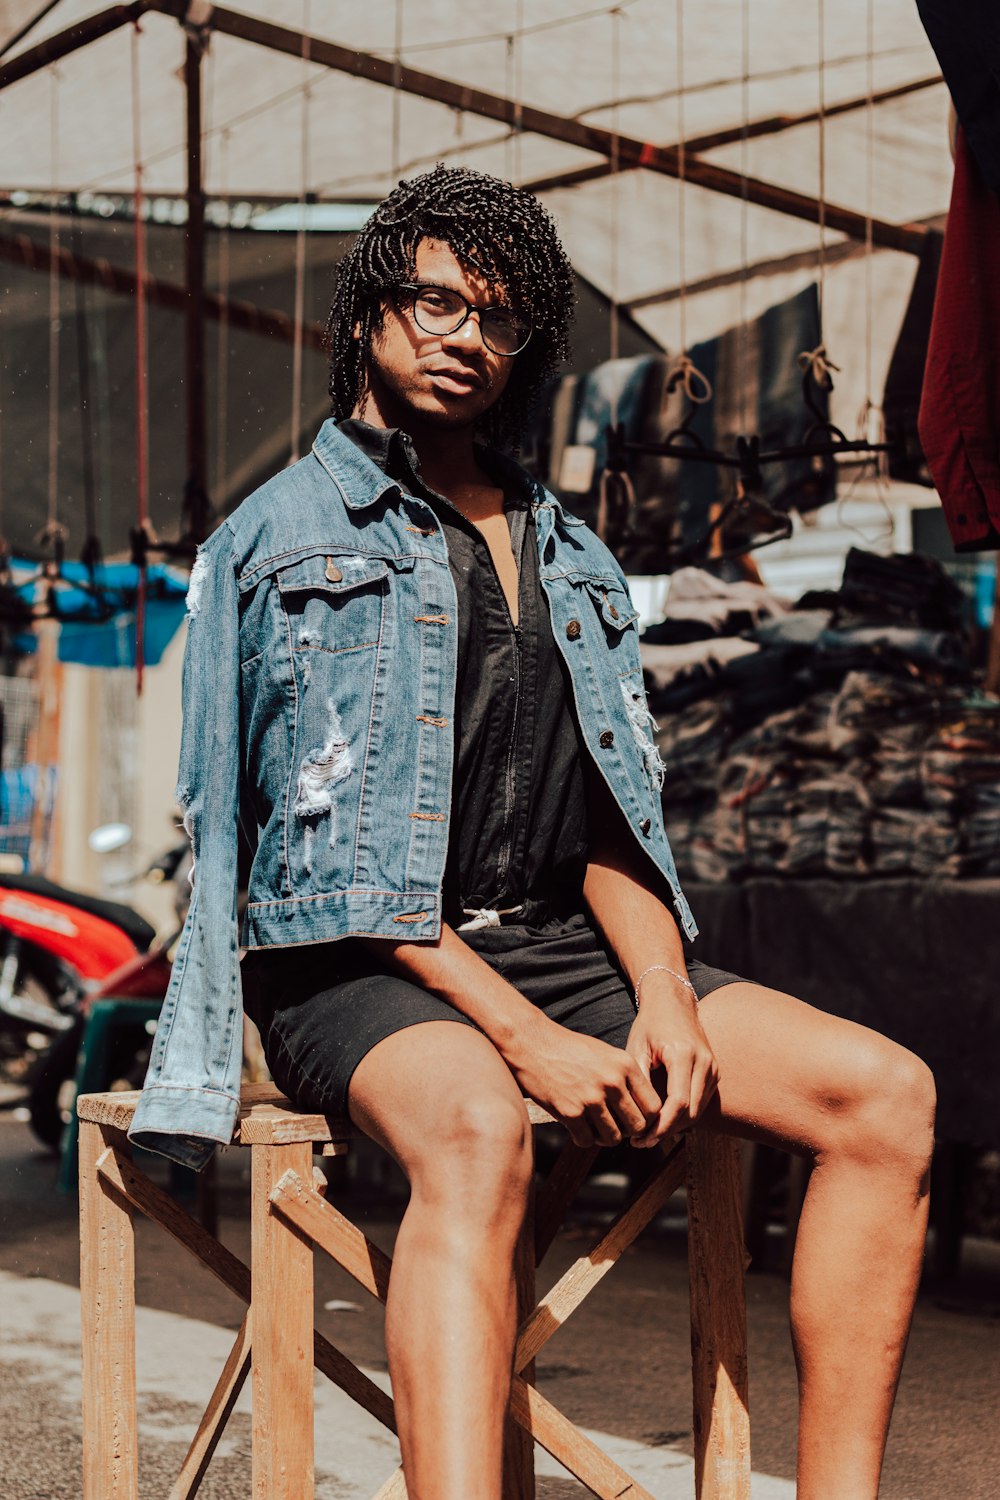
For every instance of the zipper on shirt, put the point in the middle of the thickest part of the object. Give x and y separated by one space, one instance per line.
510 780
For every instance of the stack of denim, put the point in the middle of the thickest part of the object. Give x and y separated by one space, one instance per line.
981 831
842 745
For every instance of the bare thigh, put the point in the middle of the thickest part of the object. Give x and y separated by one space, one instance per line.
796 1077
439 1093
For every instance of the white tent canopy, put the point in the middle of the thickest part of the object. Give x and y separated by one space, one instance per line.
277 126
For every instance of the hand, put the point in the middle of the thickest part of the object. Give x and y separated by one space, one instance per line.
600 1093
668 1035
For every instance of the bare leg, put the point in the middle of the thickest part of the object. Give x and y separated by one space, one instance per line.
863 1108
439 1098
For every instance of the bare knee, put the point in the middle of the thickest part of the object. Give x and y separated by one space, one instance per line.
883 1113
480 1161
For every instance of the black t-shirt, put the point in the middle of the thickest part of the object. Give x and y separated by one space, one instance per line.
518 831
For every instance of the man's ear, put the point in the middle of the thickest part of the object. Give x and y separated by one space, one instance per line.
356 331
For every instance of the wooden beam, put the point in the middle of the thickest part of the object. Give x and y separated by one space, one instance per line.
281 1269
215 1416
628 151
717 1265
775 124
34 255
115 1167
774 266
81 34
107 1306
575 178
28 27
778 265
772 125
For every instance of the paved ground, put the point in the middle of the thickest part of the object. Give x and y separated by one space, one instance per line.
620 1366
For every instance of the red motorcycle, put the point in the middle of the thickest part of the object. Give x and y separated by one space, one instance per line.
61 950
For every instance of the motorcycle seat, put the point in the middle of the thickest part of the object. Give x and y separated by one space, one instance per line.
121 916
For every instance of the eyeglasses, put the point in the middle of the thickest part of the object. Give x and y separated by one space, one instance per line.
437 309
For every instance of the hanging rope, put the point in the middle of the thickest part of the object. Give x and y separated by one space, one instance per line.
397 92
821 119
684 374
508 145
616 496
819 366
515 89
91 552
518 89
300 247
53 534
222 356
816 363
140 538
744 344
681 179
871 421
616 20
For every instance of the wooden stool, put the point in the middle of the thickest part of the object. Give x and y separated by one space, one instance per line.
290 1216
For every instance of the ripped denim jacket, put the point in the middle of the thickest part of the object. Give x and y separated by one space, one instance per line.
319 686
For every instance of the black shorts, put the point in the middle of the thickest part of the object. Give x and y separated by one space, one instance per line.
321 1007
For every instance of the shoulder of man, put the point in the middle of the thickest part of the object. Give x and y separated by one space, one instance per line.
576 537
306 503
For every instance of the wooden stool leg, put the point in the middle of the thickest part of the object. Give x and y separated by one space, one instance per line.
282 1288
717 1262
107 1303
519 1448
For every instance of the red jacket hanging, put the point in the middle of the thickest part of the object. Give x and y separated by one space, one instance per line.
960 403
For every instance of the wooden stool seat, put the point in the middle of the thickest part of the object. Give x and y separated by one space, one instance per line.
290 1216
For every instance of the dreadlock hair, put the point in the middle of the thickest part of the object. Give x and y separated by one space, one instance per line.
499 230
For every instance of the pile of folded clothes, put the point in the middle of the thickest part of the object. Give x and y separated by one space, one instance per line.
845 737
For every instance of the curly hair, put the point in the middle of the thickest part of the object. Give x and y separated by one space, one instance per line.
500 231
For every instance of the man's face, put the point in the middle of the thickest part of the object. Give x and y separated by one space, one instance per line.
436 379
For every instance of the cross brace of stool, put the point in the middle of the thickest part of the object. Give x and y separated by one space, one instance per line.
291 1216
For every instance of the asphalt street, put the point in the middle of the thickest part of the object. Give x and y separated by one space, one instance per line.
620 1367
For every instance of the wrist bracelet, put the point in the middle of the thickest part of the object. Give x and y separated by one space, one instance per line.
666 969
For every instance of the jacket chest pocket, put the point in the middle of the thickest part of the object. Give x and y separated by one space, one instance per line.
334 601
615 611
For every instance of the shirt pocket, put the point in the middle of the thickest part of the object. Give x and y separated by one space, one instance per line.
334 601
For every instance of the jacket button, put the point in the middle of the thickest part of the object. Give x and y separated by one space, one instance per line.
607 739
645 826
332 571
573 629
612 612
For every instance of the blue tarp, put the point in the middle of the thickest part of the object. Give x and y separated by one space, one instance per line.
98 630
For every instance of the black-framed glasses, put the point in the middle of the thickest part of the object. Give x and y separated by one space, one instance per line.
438 309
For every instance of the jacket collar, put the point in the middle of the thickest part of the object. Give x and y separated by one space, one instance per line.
358 477
362 482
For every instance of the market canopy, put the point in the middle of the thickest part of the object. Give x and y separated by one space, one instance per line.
777 104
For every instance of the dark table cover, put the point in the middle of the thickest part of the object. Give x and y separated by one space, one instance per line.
917 960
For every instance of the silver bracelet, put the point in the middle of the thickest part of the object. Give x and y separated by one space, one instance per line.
666 970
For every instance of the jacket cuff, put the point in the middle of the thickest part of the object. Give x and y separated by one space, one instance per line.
161 1123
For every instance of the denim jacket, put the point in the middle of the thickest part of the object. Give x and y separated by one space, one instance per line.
318 693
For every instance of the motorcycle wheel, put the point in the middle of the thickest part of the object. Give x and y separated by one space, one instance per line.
50 1076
